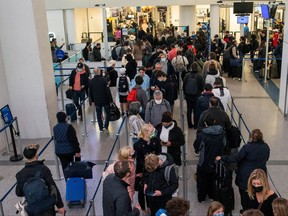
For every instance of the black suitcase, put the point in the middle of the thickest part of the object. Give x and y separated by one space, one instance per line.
71 111
223 190
79 169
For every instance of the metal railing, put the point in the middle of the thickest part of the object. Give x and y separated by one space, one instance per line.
9 191
117 141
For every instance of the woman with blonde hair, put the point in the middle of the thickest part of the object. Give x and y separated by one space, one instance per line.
253 155
125 153
147 143
215 209
280 207
259 192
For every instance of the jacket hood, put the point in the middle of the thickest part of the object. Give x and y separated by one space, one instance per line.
166 158
133 118
213 130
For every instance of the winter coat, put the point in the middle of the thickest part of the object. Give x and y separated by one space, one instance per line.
176 137
99 91
116 200
253 155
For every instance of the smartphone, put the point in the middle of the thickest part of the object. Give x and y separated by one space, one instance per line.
150 193
163 143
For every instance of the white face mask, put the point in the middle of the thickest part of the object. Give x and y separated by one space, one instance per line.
79 69
158 101
163 59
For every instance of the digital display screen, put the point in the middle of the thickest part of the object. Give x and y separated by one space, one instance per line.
6 114
242 7
242 20
265 11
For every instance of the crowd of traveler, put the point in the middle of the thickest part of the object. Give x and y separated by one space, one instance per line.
151 164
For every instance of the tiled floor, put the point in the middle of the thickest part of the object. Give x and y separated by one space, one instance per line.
252 101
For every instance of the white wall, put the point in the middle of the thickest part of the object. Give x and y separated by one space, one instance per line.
30 81
56 25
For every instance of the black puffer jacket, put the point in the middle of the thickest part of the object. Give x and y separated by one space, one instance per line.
176 137
29 171
99 91
156 180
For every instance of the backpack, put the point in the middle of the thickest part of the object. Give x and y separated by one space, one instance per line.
132 96
152 104
191 85
114 53
246 48
227 53
233 137
167 172
180 65
37 195
123 84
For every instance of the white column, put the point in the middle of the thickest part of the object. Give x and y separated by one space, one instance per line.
27 64
187 17
283 96
214 19
71 30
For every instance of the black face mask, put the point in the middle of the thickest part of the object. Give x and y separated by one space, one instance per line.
257 189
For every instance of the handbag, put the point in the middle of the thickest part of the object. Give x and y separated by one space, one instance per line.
114 112
236 62
69 94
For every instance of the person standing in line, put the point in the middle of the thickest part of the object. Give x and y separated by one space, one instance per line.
260 194
66 142
280 206
251 156
178 207
101 96
86 51
29 171
215 209
135 120
122 86
79 81
116 200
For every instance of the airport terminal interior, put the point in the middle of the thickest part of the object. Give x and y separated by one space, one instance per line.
256 101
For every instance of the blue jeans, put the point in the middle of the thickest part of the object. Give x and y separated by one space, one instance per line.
99 116
76 96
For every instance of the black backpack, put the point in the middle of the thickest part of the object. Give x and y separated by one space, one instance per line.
191 85
246 48
227 53
123 84
37 195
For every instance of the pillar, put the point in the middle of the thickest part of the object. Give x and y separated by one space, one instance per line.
27 65
187 17
283 96
214 19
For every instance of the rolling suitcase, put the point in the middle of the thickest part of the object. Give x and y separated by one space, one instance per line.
223 191
71 111
76 192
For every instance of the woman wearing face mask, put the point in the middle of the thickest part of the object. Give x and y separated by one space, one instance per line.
260 194
125 153
135 120
253 155
147 143
171 136
215 209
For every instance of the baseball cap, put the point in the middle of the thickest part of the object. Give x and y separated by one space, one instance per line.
30 151
79 65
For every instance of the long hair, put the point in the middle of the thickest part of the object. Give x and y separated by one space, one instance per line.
280 206
258 174
214 206
256 136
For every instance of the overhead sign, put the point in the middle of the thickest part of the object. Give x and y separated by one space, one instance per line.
60 54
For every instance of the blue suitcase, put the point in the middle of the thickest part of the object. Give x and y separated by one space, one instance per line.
71 111
76 192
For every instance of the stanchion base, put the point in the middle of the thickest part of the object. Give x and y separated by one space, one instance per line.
16 158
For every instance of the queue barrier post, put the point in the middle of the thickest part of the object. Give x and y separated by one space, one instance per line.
61 86
1 209
94 114
84 119
239 121
127 132
18 135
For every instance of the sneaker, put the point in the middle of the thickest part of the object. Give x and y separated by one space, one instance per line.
196 154
239 79
101 130
105 130
234 78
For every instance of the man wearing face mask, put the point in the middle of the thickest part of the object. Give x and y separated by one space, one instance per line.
155 108
78 82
